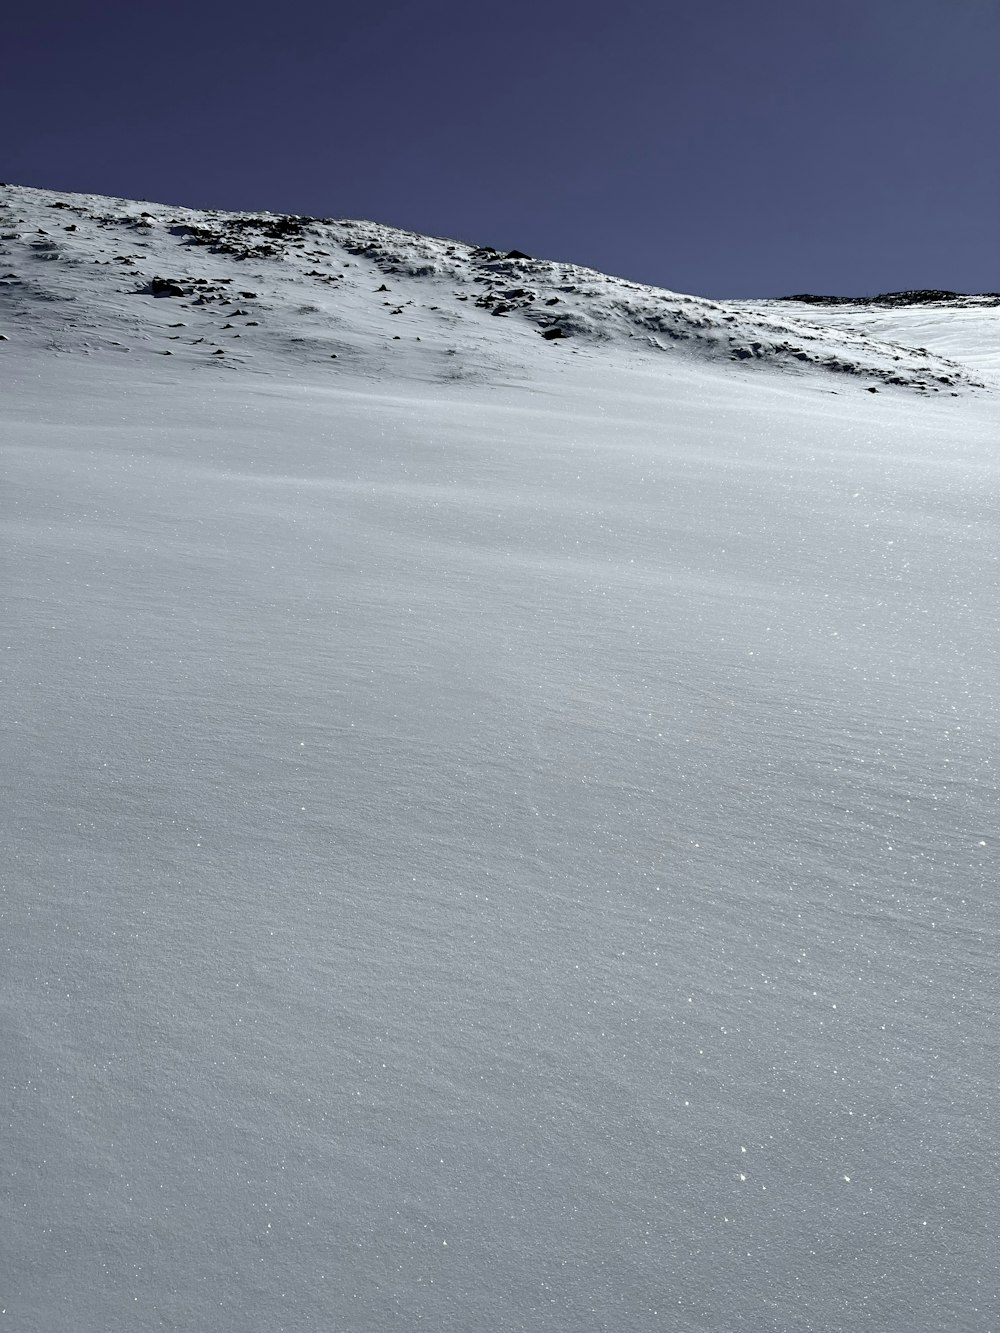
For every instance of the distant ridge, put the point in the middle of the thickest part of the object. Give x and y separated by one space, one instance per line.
921 296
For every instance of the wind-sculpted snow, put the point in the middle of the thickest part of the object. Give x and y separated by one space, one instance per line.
317 289
498 792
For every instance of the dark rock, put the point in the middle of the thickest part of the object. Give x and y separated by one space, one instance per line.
165 287
516 254
550 334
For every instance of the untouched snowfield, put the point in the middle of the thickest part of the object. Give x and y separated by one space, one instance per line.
499 829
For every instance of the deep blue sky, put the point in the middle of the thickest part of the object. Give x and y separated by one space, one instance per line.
723 147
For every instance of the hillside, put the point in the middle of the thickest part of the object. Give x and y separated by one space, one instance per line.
254 286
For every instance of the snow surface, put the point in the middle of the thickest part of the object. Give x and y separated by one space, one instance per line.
499 832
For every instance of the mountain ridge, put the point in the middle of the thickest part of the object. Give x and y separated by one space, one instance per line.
918 296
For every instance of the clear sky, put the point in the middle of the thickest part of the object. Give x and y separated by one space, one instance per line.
719 147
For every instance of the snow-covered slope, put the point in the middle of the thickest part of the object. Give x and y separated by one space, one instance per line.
246 287
499 831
